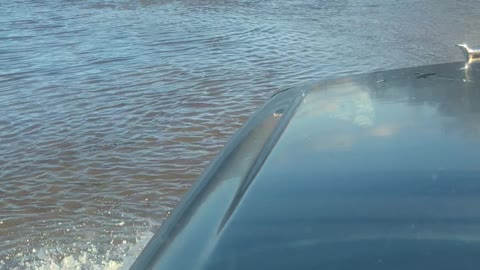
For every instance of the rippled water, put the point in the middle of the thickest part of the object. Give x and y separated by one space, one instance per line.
110 109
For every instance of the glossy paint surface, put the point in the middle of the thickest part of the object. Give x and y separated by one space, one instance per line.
378 171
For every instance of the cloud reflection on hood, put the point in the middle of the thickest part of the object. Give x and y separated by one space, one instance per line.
346 101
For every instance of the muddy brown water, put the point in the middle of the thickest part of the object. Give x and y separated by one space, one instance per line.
109 110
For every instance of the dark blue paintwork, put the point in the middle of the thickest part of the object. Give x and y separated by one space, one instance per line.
376 171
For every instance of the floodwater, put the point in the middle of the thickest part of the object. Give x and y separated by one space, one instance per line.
110 109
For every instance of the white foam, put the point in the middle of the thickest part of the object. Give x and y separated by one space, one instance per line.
120 256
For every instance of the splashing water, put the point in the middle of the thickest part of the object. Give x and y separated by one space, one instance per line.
94 256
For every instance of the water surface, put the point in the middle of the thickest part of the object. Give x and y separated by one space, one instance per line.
110 109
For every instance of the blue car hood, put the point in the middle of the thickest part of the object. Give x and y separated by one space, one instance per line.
374 171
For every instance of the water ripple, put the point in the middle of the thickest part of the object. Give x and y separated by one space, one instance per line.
110 109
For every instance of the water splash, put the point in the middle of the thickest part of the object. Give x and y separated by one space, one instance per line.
116 256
